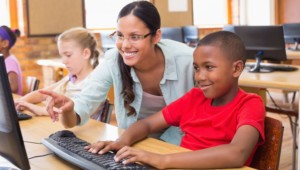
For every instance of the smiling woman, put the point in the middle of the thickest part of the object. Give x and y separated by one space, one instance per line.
141 68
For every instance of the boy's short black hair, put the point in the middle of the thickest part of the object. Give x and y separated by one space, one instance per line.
229 42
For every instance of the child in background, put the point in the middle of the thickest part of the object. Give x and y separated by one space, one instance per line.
7 41
222 124
78 49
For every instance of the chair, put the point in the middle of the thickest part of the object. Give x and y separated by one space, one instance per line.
106 42
104 113
290 109
190 35
267 156
173 33
31 84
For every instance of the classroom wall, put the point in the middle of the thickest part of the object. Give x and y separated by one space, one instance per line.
173 19
289 11
30 49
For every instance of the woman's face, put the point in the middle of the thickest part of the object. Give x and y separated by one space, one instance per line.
73 56
134 52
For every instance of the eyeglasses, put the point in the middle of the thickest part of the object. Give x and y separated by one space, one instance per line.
132 38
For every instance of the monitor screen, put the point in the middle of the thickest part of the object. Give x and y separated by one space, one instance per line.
11 141
262 43
292 34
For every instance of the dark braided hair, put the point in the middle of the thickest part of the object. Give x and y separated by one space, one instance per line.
148 13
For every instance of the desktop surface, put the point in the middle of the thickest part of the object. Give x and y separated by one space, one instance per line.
38 128
278 79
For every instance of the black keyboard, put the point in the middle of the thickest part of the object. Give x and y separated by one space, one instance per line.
273 67
23 116
72 149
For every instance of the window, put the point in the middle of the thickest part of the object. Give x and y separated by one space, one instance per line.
257 12
210 13
4 13
103 14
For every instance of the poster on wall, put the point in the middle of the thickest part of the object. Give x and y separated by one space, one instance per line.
46 18
178 5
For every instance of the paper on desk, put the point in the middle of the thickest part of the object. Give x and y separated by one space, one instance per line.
6 165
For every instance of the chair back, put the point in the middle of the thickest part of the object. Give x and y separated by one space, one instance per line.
106 42
190 35
104 113
267 156
31 84
173 33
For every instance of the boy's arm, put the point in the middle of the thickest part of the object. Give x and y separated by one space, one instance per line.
137 131
234 154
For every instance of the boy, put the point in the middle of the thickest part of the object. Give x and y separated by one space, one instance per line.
223 125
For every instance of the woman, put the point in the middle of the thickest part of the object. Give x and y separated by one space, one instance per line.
147 73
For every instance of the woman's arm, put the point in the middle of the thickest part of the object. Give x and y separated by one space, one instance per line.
231 155
63 107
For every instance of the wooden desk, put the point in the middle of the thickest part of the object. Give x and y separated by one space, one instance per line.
37 128
293 55
278 80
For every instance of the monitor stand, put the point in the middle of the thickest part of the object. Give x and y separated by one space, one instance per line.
295 47
257 68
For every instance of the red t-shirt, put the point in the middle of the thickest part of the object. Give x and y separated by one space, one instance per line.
206 126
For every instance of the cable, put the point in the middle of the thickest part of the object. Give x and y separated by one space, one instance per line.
41 155
32 142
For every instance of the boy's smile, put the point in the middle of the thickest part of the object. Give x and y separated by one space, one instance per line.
214 74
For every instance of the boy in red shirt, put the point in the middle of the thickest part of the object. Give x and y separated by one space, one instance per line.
223 125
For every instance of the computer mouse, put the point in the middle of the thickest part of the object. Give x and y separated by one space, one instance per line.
63 133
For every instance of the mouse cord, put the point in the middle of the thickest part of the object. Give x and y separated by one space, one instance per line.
32 142
37 156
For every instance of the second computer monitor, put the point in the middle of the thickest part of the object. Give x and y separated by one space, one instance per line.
11 141
292 34
262 43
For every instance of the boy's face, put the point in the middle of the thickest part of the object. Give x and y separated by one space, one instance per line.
216 75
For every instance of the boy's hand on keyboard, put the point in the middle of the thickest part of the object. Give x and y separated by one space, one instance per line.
129 155
102 147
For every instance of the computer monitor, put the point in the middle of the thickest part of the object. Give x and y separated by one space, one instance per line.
292 34
11 142
173 33
262 43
